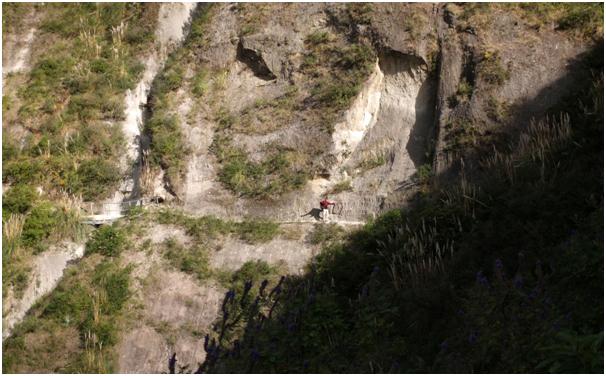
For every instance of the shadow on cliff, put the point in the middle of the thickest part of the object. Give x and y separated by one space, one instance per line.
418 143
305 323
549 102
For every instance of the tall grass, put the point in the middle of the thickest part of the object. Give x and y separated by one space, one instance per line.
415 255
12 229
70 212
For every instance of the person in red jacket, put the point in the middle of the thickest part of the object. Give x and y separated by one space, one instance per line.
325 205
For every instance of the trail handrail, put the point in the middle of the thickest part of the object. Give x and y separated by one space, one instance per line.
115 209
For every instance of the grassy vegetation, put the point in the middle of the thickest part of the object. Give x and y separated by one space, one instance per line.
462 134
376 160
414 23
337 73
355 13
495 109
280 172
191 260
12 16
502 273
424 174
251 16
30 225
168 148
74 88
342 186
107 240
266 116
491 69
584 20
206 228
15 262
251 271
336 69
463 94
325 233
74 328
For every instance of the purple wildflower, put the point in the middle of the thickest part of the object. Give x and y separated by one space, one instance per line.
518 281
481 279
396 365
365 290
498 264
472 338
311 298
534 293
444 345
255 355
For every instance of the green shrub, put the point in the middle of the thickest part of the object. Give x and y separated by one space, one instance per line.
72 303
424 173
170 80
224 118
200 83
342 186
23 171
464 89
116 283
41 222
326 233
192 260
107 240
167 146
18 199
358 57
491 69
360 13
586 17
317 37
274 175
257 231
372 162
254 271
495 109
94 178
462 133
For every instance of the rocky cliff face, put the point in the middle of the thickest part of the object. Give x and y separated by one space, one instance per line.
252 113
319 87
423 84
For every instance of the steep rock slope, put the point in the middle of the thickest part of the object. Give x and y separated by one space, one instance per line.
291 101
47 268
263 110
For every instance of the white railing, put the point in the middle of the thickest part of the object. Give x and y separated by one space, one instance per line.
99 213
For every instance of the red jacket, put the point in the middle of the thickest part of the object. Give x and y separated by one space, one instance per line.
324 204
